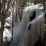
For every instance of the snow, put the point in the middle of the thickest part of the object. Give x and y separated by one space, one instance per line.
32 7
7 35
6 24
9 20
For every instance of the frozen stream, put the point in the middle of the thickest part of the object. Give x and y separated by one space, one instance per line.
19 29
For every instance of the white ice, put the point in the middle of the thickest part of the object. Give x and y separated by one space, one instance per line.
32 7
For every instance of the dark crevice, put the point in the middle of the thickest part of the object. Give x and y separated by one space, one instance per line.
39 42
29 27
33 16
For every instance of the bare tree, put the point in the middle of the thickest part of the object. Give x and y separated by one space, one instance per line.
20 6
